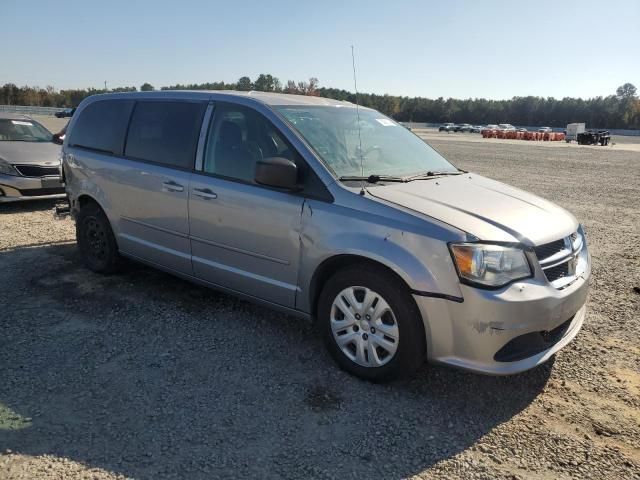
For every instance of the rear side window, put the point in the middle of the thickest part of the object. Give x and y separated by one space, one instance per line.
102 126
165 132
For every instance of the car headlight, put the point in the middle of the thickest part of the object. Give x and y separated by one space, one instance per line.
489 265
7 168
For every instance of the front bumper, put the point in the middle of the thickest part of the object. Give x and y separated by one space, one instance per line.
17 188
501 332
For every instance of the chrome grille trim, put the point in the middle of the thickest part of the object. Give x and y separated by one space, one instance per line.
549 249
38 170
558 259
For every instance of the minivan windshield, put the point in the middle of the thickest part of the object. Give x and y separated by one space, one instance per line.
387 147
23 131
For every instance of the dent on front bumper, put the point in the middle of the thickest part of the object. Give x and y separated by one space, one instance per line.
470 334
17 188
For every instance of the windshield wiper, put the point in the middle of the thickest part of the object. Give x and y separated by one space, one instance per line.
372 179
431 174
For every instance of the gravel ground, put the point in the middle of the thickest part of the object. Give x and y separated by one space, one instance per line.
144 375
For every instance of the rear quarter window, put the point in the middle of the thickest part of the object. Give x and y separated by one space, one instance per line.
165 132
102 126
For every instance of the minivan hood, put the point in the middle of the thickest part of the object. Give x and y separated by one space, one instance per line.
484 208
40 153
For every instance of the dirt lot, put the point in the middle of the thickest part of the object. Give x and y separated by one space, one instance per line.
143 375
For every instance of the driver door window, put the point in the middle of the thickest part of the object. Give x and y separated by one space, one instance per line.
238 138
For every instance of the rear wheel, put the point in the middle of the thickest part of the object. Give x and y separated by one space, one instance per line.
370 324
96 241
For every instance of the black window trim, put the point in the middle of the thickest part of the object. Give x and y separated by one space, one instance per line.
326 195
93 149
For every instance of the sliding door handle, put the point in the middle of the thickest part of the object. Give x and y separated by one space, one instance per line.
204 193
172 186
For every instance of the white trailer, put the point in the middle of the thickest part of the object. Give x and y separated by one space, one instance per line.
573 129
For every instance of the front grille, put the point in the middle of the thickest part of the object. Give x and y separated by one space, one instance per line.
36 192
549 249
557 259
557 272
37 170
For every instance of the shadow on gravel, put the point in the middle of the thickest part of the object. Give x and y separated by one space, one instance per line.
148 376
28 206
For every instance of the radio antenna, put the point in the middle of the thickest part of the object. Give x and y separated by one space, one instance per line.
355 85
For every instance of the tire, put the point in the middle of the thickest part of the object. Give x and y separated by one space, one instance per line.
96 241
394 345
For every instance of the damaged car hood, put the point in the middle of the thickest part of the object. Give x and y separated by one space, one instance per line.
484 208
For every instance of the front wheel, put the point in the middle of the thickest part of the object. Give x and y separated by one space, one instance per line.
370 324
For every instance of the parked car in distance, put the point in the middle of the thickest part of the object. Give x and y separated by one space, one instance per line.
67 112
462 127
477 128
29 160
395 253
522 129
447 127
545 130
506 126
489 128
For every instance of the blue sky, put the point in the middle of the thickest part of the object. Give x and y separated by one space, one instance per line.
492 49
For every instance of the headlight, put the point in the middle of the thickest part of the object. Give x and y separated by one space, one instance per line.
490 265
7 168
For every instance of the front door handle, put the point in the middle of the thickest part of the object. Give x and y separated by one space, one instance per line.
172 186
204 193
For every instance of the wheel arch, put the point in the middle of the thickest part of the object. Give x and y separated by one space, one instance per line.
84 199
332 265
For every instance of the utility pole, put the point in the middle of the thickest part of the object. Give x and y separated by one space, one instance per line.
105 85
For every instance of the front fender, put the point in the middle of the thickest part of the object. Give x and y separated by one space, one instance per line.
422 260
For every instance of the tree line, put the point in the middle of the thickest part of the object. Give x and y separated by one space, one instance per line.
620 110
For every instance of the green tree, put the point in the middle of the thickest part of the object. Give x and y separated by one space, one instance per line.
628 90
291 87
266 83
614 111
146 87
244 84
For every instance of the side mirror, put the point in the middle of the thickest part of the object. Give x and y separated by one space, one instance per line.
277 172
58 139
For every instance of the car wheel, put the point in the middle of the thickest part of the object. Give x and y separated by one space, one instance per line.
96 241
371 324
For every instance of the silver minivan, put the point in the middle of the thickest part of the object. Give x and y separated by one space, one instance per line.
333 213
